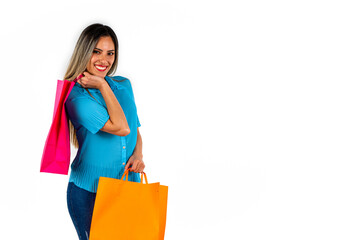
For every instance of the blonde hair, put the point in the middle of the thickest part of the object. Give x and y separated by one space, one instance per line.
81 56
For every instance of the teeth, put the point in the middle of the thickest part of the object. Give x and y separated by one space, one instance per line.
100 68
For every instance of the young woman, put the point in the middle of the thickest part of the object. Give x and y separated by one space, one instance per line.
103 123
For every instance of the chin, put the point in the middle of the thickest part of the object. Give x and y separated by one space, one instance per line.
103 75
99 74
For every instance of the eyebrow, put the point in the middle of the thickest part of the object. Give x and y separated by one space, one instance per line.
102 50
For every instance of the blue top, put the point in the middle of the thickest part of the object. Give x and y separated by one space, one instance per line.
101 153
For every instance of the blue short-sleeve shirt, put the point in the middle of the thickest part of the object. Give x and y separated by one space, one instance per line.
101 153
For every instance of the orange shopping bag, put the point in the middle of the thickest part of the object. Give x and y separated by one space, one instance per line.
126 210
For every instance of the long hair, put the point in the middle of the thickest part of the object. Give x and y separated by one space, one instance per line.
82 55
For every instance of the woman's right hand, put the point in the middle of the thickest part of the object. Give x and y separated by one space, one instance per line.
91 81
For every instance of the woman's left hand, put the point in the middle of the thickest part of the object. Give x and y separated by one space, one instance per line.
136 162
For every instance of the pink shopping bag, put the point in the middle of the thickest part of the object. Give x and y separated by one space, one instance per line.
56 154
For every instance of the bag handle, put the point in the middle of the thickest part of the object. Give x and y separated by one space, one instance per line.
80 76
126 173
141 180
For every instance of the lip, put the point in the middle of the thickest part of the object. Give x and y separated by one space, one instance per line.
102 66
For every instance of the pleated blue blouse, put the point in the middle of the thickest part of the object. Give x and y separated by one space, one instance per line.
101 153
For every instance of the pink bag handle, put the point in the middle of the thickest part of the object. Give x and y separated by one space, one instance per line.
58 94
80 76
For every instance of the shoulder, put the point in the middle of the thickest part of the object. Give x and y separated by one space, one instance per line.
119 78
121 81
79 95
76 92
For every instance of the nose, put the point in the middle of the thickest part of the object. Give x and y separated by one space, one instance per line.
102 58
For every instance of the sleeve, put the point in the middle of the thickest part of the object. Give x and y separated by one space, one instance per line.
138 122
88 113
132 94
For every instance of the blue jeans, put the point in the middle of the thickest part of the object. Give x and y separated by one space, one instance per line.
80 205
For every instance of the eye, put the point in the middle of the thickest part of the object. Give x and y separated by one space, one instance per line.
110 53
96 51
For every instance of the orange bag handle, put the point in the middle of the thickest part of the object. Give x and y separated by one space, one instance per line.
141 180
126 173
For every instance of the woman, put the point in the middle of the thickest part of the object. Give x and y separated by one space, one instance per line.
103 123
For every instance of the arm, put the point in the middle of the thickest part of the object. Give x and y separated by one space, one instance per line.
138 147
117 123
136 159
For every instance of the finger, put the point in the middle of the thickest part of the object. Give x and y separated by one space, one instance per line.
85 77
142 167
139 166
127 165
135 166
81 80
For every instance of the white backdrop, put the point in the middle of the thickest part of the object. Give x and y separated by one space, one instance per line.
249 113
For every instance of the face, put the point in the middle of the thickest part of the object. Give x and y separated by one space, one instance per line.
102 58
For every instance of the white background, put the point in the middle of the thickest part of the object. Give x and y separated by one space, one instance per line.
249 113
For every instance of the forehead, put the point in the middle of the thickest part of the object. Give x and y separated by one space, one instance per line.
105 43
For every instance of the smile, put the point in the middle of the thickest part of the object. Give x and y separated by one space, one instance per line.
101 68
